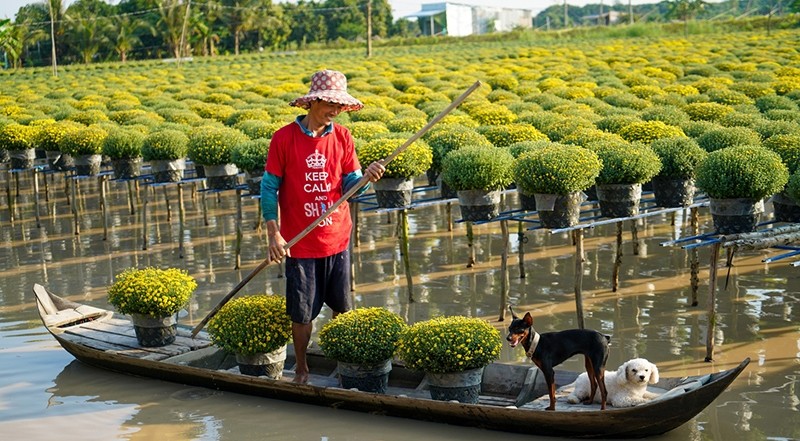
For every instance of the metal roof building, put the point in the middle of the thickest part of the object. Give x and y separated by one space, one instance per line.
459 20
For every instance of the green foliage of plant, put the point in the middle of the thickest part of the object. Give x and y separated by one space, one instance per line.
518 148
556 169
151 291
367 129
751 172
251 325
769 128
679 156
740 119
448 137
615 123
783 115
793 186
257 128
492 114
771 102
50 135
649 131
86 141
583 136
167 144
212 145
477 168
667 114
247 114
123 143
449 344
15 136
728 97
363 336
727 137
251 155
788 148
565 127
695 129
707 111
406 124
626 163
413 161
89 117
372 114
180 116
503 81
627 100
507 134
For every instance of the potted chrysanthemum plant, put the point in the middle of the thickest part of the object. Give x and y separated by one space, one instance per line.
452 351
152 297
394 189
256 329
363 342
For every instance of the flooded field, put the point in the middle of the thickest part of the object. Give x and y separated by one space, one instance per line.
44 391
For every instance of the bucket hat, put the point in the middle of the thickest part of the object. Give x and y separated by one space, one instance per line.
331 86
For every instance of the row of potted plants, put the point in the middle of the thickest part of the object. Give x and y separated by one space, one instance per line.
256 329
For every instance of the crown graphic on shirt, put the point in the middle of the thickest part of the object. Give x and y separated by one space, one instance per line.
316 160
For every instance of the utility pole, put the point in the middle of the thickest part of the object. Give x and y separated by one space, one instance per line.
182 44
630 12
369 28
53 38
566 15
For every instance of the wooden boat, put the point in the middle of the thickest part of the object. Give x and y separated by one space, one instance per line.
512 396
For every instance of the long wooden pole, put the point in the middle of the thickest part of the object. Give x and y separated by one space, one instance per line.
347 195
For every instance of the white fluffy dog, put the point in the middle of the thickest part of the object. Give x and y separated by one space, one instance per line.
626 387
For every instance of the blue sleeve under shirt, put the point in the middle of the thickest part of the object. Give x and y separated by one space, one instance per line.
269 192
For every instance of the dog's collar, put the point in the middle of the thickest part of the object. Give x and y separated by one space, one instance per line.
534 341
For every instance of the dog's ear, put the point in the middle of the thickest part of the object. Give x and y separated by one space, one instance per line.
653 374
622 372
513 316
528 319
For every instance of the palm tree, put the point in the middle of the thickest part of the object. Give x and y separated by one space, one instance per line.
15 38
240 16
123 34
685 10
85 35
172 13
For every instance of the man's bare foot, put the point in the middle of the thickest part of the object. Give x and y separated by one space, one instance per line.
300 377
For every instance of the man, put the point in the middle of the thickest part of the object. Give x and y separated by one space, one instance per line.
310 165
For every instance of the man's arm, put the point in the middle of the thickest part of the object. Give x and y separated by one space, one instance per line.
269 210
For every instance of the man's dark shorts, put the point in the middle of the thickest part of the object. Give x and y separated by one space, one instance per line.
310 283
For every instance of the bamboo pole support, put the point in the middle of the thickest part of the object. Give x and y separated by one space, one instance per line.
144 218
521 248
694 254
76 225
11 199
470 245
131 205
578 236
103 182
239 220
504 280
712 291
617 260
404 251
635 237
182 222
36 196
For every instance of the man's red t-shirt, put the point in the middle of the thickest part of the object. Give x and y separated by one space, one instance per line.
312 171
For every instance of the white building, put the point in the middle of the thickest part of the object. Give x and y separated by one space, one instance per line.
459 20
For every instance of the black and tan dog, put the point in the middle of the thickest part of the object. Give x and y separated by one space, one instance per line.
550 349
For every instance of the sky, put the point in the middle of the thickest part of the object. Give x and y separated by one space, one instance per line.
400 8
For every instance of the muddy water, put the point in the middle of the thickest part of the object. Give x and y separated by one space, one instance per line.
45 392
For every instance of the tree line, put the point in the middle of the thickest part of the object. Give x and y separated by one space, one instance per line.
92 30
